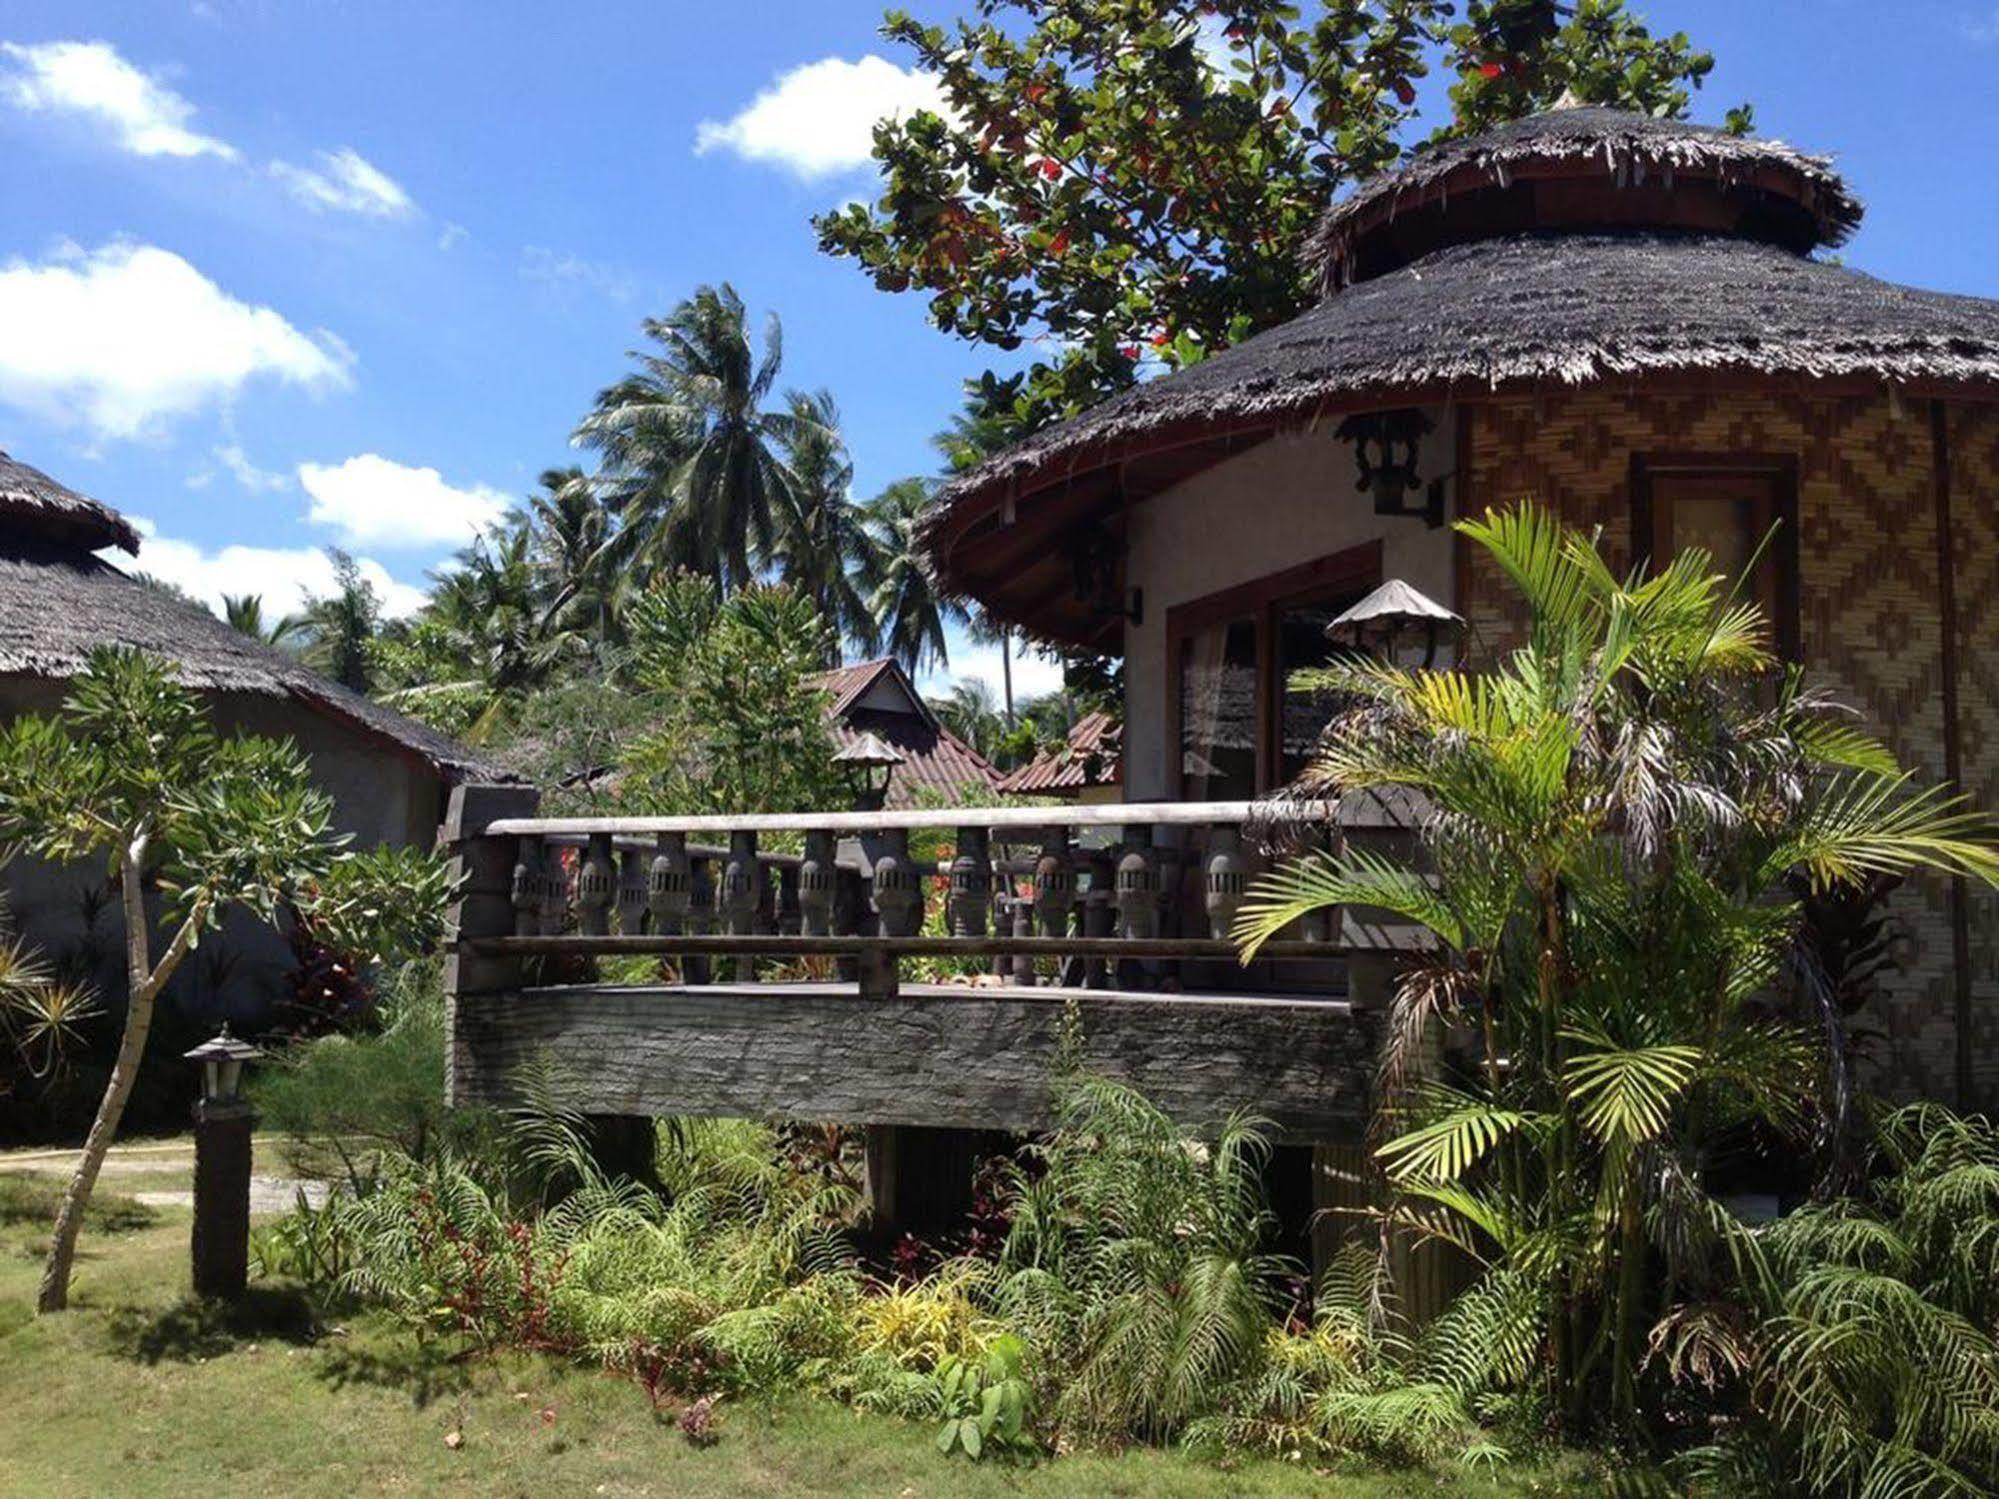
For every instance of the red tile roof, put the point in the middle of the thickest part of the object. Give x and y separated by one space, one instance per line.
934 759
1090 757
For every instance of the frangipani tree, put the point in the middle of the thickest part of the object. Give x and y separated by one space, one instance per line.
131 772
1618 817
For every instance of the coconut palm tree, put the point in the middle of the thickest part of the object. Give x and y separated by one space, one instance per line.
912 617
989 423
968 711
245 612
822 549
1616 821
338 627
568 527
691 453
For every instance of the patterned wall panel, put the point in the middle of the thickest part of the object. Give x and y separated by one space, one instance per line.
1974 454
1872 622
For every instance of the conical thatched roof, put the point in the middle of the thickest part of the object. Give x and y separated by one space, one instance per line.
33 504
1577 246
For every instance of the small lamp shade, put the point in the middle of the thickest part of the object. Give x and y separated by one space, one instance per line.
868 763
222 1057
1393 618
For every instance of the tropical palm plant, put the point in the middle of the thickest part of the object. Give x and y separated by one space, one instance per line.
822 550
968 711
912 617
691 452
568 527
338 627
1613 816
245 612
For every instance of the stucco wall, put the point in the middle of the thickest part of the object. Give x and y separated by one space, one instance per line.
379 795
1285 502
1869 600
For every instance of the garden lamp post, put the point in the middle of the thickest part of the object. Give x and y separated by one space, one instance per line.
223 1121
868 764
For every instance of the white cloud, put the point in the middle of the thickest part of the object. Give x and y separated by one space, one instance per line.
1033 674
373 501
345 182
90 79
257 480
451 236
819 118
563 271
125 337
1983 30
286 578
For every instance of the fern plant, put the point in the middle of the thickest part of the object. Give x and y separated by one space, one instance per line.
1617 819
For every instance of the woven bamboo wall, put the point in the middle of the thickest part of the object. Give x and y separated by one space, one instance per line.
1872 621
1974 455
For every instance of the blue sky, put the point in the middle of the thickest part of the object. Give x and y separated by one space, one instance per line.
279 274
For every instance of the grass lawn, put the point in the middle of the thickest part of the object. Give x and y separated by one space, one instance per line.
137 1391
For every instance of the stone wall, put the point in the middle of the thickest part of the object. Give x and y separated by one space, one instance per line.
1869 599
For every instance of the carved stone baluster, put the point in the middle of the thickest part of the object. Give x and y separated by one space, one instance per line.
1138 887
525 889
700 914
738 897
1227 878
818 880
898 887
668 889
972 883
632 891
1054 884
554 890
594 879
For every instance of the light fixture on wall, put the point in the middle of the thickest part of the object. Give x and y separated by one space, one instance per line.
1096 558
1387 446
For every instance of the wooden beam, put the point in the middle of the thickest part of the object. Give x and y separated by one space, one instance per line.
931 1055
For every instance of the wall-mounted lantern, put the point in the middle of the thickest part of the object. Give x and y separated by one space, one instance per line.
868 764
1387 446
1095 557
1394 622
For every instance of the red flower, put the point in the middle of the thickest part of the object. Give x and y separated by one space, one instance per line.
1161 339
1050 168
1404 90
1060 244
1492 69
1130 351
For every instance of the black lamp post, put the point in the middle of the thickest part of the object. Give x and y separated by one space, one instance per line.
868 764
223 1121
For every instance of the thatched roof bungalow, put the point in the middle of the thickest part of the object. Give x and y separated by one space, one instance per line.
388 775
1630 319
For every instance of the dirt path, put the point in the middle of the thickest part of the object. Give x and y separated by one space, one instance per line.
161 1158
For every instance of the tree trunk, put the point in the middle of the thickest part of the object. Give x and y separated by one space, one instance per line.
144 983
1006 670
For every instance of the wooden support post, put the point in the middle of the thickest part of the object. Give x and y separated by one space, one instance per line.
1099 913
738 897
700 914
484 873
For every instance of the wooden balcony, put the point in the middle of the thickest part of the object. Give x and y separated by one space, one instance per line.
805 978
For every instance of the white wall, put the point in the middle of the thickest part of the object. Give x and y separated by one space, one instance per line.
1285 502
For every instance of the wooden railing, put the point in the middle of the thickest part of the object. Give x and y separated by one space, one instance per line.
1125 910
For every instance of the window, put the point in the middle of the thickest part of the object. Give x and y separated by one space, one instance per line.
1729 506
1244 715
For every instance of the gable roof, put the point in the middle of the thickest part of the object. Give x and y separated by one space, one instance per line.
934 760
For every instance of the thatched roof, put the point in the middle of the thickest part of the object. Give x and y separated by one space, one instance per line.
1787 196
33 504
1572 248
57 602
